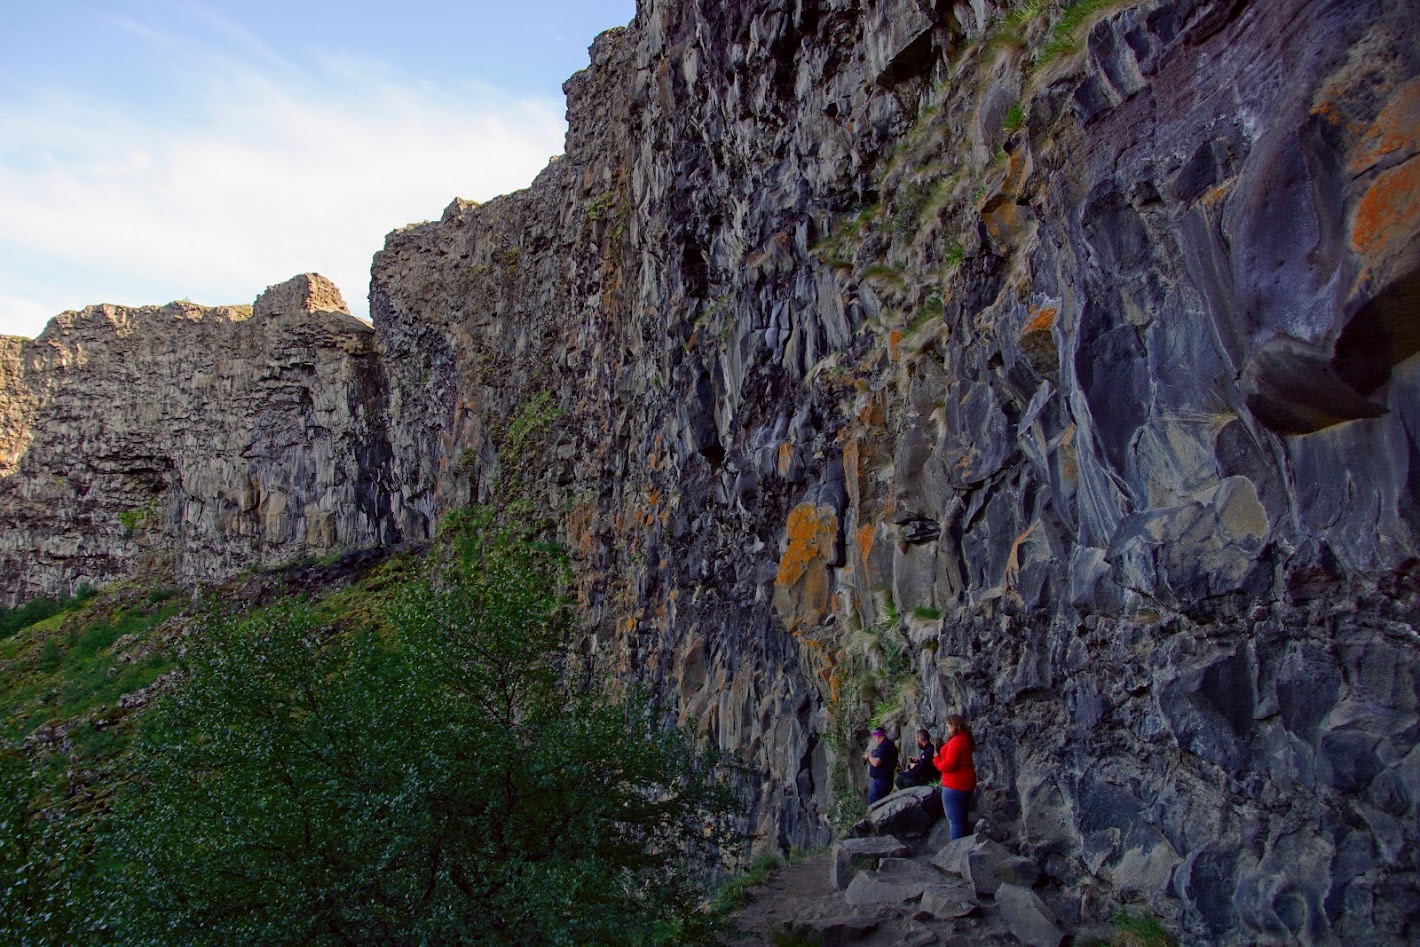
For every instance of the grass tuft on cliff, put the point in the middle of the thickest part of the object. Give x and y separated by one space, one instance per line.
1134 930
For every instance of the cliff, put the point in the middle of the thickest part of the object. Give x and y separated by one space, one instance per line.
895 361
188 442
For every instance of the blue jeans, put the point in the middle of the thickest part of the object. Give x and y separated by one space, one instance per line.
955 804
878 788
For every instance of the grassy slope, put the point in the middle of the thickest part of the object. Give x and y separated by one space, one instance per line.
73 684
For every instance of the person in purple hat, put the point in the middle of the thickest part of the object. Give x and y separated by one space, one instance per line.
882 764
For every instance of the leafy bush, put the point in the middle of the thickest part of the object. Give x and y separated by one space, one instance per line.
46 874
449 784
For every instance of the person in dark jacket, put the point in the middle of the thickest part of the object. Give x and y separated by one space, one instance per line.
954 762
882 765
920 771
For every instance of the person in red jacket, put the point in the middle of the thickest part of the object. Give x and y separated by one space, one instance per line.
953 761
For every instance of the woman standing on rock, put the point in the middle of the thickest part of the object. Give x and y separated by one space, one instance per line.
953 761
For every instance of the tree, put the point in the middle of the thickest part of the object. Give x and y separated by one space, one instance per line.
45 871
446 784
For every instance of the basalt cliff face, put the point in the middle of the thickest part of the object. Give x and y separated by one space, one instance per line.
892 360
189 442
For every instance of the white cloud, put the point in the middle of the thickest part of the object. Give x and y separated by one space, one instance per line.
265 178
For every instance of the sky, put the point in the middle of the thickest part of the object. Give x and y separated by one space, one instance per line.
153 150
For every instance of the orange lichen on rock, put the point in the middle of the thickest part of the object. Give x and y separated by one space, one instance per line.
894 341
1007 223
1043 321
873 413
1327 109
811 533
801 586
579 529
1038 342
864 538
1396 129
786 458
1214 195
858 458
1388 216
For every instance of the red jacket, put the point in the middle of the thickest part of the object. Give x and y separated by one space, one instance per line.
953 761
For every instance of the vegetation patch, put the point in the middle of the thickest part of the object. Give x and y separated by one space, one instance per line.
409 759
734 893
1072 27
874 686
1015 117
534 416
37 610
1136 930
600 205
133 520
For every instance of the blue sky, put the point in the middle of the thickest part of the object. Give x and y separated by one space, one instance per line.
153 150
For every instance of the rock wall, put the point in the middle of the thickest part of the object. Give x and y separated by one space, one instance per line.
191 442
909 359
879 362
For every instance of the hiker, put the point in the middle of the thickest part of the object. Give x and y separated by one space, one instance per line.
953 761
882 764
920 771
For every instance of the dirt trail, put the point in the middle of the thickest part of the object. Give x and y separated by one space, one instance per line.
898 879
799 898
789 892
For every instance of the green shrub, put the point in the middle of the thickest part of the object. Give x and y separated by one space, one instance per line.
163 594
1137 930
448 784
1015 117
1010 32
50 656
47 895
600 205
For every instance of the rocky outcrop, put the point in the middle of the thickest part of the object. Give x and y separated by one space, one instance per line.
190 441
911 359
893 360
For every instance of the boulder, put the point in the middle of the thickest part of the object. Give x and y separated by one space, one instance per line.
951 858
905 812
1030 920
907 871
915 935
947 902
868 890
940 835
833 931
986 864
852 855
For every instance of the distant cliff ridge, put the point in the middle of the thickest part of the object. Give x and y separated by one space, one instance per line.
192 441
890 360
